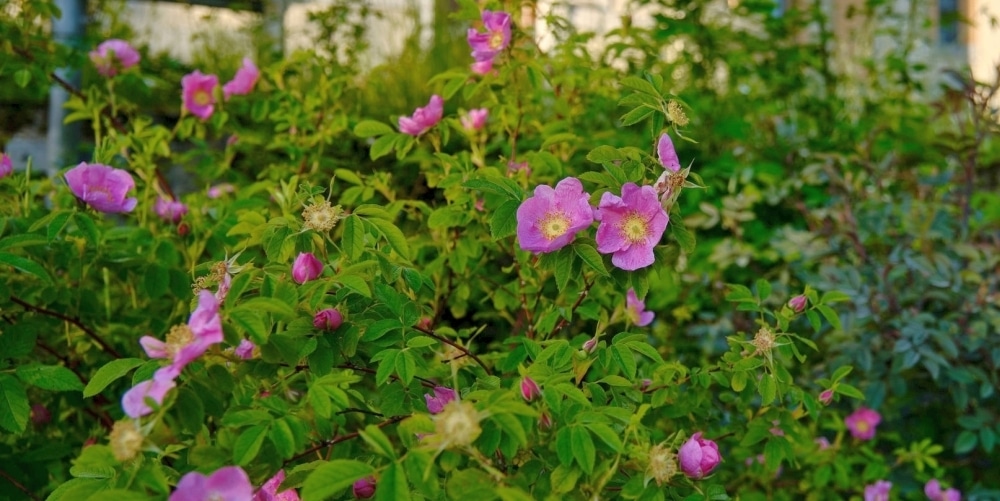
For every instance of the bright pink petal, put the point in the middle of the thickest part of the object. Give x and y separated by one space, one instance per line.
154 347
667 153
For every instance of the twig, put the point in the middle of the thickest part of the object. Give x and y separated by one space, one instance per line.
20 487
104 111
343 438
424 381
75 321
583 295
454 345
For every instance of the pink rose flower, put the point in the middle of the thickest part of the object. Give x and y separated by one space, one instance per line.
862 423
134 401
548 220
244 80
475 119
364 488
269 491
630 226
636 310
229 483
6 166
798 303
245 350
826 396
482 67
102 187
306 268
442 396
170 210
698 456
879 491
668 155
487 45
934 493
187 342
113 56
423 118
199 93
328 319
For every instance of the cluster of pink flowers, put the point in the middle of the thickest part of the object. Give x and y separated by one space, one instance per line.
101 187
114 56
932 489
183 345
423 119
487 45
198 89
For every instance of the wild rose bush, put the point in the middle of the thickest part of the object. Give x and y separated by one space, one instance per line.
452 300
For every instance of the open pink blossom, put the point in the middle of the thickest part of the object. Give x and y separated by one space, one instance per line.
442 396
134 401
932 489
879 491
199 93
475 119
269 491
306 267
102 187
668 155
170 210
548 220
698 456
862 423
244 80
423 118
6 166
229 483
630 226
487 45
186 342
218 190
113 56
636 310
245 349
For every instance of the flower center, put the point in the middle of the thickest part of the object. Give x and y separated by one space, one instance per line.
862 426
634 228
496 40
554 225
201 98
179 337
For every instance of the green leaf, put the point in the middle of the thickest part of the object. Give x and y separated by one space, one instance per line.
637 115
334 476
378 441
14 408
841 372
392 234
25 265
834 297
965 442
496 185
251 322
739 381
830 316
22 77
353 239
282 437
562 137
269 305
767 388
49 377
583 448
369 128
564 446
849 391
591 257
684 236
406 366
504 220
563 268
763 289
607 435
383 146
604 154
625 360
640 85
248 444
392 486
747 364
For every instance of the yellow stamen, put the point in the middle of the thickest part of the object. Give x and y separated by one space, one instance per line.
496 40
201 98
634 228
554 225
179 337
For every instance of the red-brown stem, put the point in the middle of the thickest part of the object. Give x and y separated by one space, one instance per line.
454 345
75 321
342 438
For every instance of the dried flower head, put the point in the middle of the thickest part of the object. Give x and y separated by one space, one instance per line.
676 114
126 439
764 341
662 464
457 425
321 216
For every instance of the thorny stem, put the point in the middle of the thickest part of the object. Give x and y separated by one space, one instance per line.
104 111
342 438
455 345
75 321
587 284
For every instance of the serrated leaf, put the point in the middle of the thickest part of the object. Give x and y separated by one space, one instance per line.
562 137
49 377
504 220
369 128
14 408
330 478
607 435
496 185
282 437
640 85
378 441
583 448
382 146
830 316
834 297
247 445
747 364
25 265
604 154
392 486
591 258
563 268
683 235
393 235
353 240
635 116
767 389
406 366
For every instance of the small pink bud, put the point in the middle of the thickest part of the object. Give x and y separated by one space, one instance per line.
364 488
545 421
425 323
40 415
529 389
698 456
798 303
590 345
328 319
826 397
306 268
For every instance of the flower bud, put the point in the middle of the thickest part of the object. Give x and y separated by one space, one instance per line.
328 319
364 488
698 456
40 414
306 268
826 397
529 389
442 395
545 421
590 345
798 303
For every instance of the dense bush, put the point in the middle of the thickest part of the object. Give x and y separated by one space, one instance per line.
339 264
